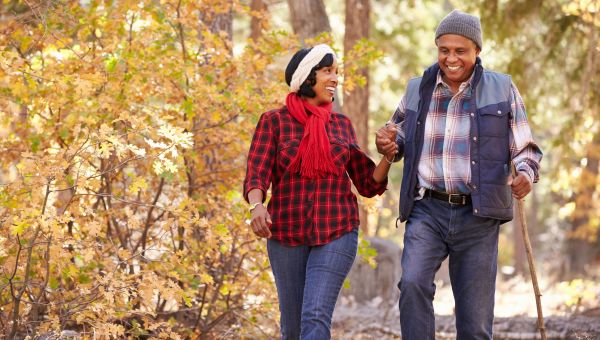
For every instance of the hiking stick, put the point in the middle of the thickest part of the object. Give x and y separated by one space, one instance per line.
534 281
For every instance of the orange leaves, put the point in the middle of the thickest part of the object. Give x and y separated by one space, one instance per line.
362 54
109 330
129 123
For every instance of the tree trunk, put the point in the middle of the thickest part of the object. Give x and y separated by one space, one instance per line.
257 23
218 24
581 251
308 17
356 102
224 22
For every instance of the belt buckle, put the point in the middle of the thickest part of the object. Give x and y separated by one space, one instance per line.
464 198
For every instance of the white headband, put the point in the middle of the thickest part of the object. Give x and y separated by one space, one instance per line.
311 60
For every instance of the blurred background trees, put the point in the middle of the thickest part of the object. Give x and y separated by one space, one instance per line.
125 125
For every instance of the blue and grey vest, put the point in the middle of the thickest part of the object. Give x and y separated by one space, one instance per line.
489 146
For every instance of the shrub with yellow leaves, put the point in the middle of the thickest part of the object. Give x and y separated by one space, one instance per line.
124 129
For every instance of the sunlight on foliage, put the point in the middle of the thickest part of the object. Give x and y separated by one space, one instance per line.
579 293
124 129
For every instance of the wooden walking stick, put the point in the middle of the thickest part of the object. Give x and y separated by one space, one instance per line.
534 281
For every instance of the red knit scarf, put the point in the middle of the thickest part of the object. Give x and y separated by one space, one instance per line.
314 154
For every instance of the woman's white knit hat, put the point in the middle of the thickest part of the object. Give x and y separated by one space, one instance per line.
312 59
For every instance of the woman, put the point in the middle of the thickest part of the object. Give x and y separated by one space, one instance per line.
309 154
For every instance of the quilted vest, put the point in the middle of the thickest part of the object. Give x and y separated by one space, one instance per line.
489 143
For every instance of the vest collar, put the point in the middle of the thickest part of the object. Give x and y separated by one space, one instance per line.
430 74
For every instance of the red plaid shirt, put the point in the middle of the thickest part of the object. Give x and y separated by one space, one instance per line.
308 211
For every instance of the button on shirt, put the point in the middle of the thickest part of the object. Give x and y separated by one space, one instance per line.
308 211
445 163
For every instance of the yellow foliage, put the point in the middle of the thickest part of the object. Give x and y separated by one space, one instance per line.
579 293
124 127
135 128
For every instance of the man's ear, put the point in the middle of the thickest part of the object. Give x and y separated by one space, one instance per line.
477 48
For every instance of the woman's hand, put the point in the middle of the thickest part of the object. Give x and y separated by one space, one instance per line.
386 141
260 221
386 145
389 157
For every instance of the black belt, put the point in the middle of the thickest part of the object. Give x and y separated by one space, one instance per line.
459 199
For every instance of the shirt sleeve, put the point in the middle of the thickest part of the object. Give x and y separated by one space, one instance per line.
398 119
261 157
361 168
525 153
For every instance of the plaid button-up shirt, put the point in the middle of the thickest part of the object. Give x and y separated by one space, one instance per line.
308 211
444 163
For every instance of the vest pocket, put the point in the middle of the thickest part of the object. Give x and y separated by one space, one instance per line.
493 120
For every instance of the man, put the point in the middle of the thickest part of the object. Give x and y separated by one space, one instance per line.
459 128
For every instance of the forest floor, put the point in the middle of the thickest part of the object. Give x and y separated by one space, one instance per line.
570 312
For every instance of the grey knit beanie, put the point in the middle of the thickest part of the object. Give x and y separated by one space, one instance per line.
460 23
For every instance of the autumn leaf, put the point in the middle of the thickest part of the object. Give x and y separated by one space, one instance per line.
19 226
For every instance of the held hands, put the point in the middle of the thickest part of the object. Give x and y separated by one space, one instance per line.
386 141
260 221
520 185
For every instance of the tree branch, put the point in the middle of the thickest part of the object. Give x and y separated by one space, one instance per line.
143 240
17 298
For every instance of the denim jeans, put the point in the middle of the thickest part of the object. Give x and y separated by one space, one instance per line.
308 281
435 230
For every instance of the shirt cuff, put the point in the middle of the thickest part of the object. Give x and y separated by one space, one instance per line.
525 168
252 186
379 188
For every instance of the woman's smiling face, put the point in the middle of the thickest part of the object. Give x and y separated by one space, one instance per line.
326 82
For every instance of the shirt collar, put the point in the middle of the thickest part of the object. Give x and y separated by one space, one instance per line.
440 81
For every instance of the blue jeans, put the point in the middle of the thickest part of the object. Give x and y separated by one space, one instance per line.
435 230
308 281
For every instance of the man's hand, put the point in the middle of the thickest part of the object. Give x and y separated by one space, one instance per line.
260 221
386 140
520 185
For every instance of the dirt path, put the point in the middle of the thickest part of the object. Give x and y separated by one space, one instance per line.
376 321
515 309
